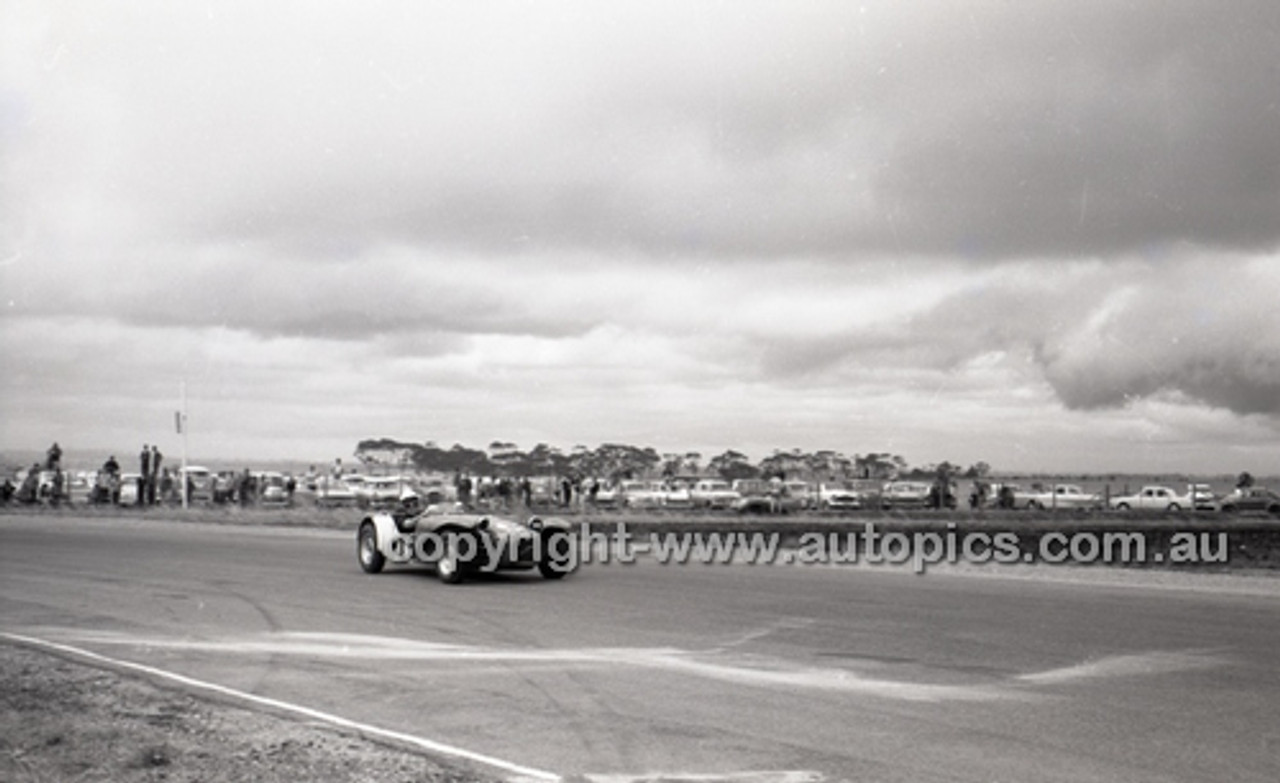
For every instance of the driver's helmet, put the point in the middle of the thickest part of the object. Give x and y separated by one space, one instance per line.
410 503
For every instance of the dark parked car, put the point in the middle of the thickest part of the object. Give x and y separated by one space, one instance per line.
1252 499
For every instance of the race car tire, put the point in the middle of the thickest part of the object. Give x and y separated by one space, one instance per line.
450 568
553 565
371 560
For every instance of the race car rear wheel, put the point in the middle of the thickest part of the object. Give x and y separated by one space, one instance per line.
371 560
556 562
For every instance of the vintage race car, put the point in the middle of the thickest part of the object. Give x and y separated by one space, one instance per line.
459 542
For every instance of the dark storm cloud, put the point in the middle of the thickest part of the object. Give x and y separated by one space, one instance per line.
1106 335
1106 129
979 130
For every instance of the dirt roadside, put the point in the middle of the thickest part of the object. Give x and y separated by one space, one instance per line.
62 720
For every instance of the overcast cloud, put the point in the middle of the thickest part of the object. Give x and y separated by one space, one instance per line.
1042 235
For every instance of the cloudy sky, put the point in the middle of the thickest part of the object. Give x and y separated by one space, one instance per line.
1043 235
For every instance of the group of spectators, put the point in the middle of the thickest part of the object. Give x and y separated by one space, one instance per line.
151 482
43 481
48 482
504 490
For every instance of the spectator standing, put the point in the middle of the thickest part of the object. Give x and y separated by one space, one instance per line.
112 469
29 491
144 464
53 458
166 486
154 478
55 495
245 490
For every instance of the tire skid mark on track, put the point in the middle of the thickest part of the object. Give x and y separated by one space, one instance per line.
714 664
1158 662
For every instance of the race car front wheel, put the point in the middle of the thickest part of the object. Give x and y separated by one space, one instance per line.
450 566
371 560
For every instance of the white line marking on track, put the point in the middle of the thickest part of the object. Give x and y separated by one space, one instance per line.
760 776
523 772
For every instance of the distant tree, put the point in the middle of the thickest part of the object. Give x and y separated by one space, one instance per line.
617 461
879 465
978 470
1245 480
732 465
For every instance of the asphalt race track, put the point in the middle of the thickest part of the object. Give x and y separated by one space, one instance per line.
620 673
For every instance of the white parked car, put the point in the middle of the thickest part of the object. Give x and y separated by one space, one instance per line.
642 494
676 494
1060 496
129 489
199 482
1153 498
334 492
838 496
381 491
713 493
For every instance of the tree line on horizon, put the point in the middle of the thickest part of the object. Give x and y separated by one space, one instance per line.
615 462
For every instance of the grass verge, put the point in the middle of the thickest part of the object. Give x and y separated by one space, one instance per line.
63 720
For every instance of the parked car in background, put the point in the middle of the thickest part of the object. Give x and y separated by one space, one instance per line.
795 495
224 486
1152 498
606 495
755 496
273 489
642 494
128 495
676 494
713 493
334 493
199 482
838 496
1064 496
905 494
1252 499
380 491
1203 497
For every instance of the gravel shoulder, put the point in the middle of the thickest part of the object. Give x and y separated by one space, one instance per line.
66 720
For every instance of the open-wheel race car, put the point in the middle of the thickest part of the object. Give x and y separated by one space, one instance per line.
460 542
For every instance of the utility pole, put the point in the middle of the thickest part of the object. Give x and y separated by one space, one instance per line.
182 428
